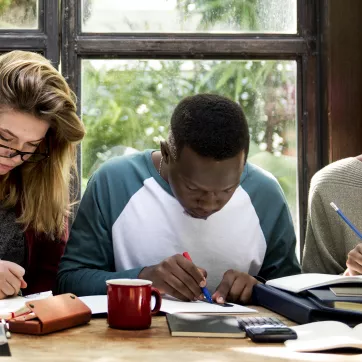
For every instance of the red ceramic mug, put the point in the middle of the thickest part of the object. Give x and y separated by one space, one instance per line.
129 303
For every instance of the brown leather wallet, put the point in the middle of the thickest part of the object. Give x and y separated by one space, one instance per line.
53 314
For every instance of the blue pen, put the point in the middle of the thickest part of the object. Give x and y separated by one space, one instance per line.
346 220
204 289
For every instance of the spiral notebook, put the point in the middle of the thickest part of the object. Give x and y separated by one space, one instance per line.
193 325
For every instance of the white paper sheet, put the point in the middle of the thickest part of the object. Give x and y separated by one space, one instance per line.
98 305
172 305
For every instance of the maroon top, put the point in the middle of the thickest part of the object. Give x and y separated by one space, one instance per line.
42 261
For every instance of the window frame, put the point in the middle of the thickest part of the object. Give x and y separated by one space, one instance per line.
303 47
44 40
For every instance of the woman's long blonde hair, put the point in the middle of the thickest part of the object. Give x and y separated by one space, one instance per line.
40 191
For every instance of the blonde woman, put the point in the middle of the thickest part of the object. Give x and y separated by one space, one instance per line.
39 131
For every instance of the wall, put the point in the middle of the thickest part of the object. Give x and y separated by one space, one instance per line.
341 82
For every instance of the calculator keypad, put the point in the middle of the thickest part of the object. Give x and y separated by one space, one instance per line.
266 329
260 322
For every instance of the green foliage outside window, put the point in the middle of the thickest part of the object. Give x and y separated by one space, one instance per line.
129 103
18 14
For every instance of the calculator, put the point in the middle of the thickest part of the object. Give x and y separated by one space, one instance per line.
266 329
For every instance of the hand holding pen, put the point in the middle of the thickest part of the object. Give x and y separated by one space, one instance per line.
177 277
11 278
354 258
205 291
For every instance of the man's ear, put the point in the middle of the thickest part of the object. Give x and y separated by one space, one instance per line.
165 152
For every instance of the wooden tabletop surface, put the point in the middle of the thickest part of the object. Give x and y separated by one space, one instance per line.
97 342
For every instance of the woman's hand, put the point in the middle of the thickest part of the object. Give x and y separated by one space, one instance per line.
354 261
11 278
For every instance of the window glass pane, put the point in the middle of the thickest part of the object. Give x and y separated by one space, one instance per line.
127 104
182 16
19 14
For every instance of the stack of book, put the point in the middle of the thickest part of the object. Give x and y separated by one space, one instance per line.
342 297
306 298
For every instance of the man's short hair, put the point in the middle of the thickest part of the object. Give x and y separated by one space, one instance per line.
211 125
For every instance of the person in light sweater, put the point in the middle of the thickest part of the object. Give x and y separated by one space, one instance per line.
331 247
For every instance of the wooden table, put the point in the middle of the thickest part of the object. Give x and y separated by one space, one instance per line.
97 342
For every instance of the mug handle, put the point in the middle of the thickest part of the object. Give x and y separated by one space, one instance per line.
158 297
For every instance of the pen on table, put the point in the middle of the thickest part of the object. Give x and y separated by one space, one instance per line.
25 317
6 328
204 289
346 220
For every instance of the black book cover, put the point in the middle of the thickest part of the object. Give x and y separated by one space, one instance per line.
327 296
299 307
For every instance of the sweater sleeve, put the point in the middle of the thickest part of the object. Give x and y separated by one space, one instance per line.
43 262
320 255
88 260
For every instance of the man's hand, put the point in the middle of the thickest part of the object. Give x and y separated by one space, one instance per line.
354 261
176 276
235 287
11 278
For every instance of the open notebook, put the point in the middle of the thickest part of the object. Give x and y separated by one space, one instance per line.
15 306
98 305
300 282
320 336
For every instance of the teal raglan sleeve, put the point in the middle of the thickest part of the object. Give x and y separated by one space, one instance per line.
276 222
280 258
88 260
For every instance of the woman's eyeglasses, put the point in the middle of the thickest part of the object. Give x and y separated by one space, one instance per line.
8 152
